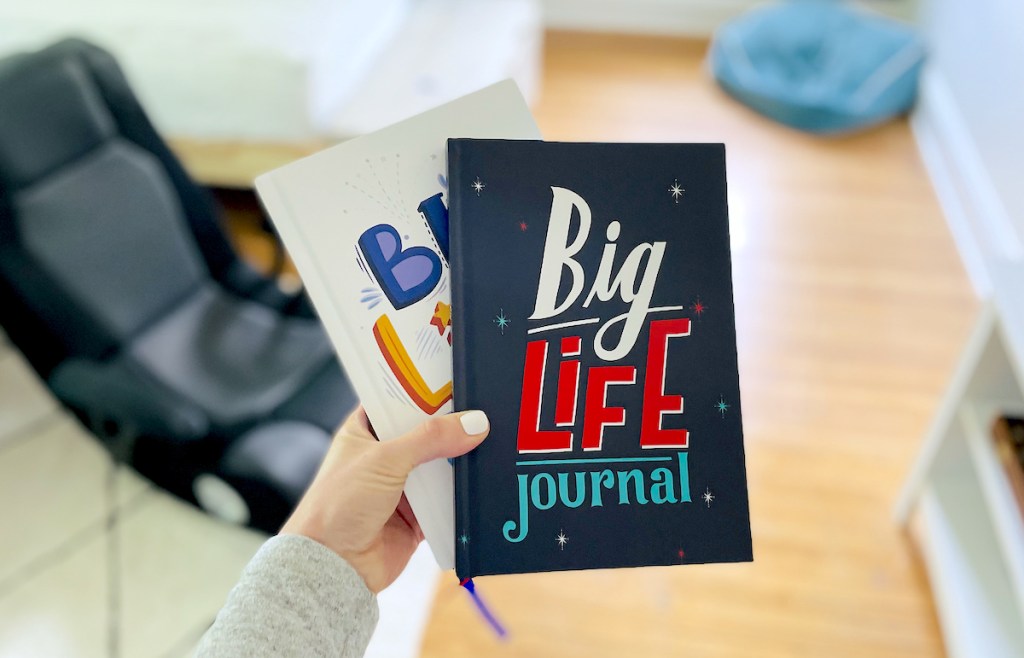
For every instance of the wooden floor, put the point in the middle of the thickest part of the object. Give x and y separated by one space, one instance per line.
851 308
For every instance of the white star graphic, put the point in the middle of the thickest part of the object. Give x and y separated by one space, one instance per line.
562 539
676 191
478 185
707 496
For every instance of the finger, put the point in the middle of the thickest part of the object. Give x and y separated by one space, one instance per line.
437 437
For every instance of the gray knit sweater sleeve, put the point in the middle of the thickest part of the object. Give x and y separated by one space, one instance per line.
296 597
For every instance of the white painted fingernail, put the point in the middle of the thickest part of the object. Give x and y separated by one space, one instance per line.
474 422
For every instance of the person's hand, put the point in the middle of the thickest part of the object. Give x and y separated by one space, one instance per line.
355 505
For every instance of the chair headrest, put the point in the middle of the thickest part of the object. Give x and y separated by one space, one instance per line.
51 113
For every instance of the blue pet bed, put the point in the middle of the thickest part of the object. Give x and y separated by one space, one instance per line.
818 66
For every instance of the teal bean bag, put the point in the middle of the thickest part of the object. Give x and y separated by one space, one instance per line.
818 66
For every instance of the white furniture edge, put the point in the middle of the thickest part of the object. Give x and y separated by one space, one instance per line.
977 217
974 624
995 488
946 415
978 583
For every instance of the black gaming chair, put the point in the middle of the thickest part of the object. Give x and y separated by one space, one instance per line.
119 286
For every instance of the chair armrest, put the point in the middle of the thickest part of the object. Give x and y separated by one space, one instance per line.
133 402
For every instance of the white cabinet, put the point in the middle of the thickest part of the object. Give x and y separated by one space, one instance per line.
958 503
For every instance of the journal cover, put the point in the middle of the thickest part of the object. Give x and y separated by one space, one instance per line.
593 322
366 224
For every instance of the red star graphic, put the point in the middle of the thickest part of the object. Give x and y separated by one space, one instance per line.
698 308
681 554
442 317
522 226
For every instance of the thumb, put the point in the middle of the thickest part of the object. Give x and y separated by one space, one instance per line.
441 436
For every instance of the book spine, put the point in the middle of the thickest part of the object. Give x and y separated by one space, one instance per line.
460 374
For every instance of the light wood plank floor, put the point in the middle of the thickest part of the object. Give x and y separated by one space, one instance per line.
852 306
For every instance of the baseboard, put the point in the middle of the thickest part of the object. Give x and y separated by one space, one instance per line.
667 17
694 18
974 211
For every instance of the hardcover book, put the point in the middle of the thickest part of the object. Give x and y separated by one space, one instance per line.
366 224
593 322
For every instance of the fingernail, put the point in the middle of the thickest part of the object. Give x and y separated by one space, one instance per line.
474 422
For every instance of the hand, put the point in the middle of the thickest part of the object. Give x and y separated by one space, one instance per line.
355 505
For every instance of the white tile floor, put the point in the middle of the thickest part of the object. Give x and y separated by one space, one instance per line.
69 586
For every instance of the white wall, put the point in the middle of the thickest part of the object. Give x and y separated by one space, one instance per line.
219 69
968 124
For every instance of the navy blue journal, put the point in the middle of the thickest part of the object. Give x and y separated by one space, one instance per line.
592 319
